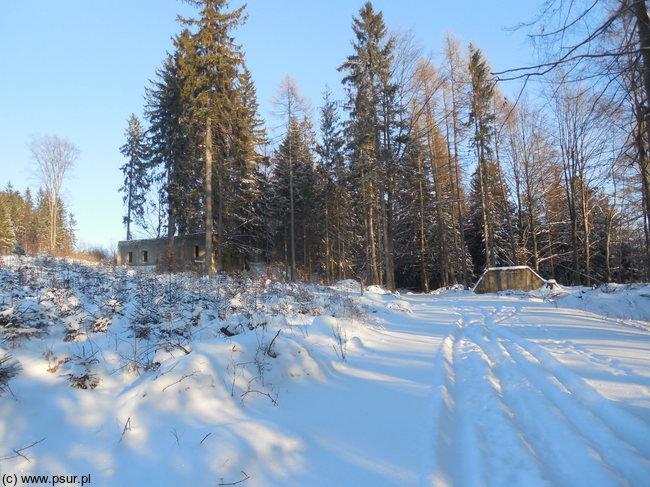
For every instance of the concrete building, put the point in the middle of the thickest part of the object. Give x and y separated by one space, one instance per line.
188 252
187 249
521 278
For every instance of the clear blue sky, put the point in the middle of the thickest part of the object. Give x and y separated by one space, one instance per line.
78 68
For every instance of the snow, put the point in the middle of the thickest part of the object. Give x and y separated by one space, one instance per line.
319 386
629 301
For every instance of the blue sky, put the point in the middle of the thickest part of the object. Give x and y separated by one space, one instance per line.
78 68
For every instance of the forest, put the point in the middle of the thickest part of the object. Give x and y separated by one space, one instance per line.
25 224
425 173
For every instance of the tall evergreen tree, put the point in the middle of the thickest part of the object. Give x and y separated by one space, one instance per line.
16 207
292 107
137 177
173 147
490 210
209 65
415 222
292 186
334 192
244 229
371 101
7 233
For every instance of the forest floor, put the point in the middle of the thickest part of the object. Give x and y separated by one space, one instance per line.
257 383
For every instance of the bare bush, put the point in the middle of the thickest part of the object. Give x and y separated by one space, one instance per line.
341 337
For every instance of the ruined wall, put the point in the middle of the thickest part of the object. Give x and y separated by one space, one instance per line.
187 248
496 279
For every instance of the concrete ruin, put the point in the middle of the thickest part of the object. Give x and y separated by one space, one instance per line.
495 279
187 251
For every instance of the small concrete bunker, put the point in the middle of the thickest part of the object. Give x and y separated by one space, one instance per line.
521 278
186 248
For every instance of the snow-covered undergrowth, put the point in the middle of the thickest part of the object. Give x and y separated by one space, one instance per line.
125 377
625 301
112 368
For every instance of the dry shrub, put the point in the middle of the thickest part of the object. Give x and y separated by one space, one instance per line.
169 263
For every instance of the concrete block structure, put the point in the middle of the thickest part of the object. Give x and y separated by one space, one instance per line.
188 252
187 249
521 278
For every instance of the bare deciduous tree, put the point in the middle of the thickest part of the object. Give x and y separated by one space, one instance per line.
53 157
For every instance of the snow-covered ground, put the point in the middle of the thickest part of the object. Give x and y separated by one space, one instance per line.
257 383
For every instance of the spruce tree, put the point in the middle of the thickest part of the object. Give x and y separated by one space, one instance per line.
292 187
137 177
173 148
415 219
15 207
32 233
333 191
481 121
371 130
291 106
209 64
204 133
7 234
243 225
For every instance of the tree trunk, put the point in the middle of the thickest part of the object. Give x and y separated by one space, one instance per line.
328 255
586 229
128 213
52 207
451 54
171 227
489 257
292 228
220 233
643 28
371 236
532 224
504 196
442 229
208 260
423 267
390 278
608 252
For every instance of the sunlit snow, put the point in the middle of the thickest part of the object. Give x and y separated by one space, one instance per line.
206 382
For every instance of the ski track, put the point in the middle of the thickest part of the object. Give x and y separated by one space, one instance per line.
510 413
600 359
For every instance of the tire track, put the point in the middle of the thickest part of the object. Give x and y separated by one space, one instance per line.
567 457
477 441
509 413
601 360
621 439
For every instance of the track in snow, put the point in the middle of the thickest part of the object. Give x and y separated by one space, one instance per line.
510 413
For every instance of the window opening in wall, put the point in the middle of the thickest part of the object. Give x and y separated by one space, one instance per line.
129 258
145 256
196 251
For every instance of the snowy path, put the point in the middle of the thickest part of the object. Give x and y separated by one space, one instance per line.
513 414
435 390
518 394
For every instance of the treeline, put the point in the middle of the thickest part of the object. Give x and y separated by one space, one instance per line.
25 224
422 177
